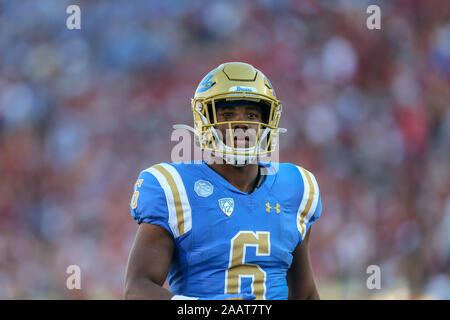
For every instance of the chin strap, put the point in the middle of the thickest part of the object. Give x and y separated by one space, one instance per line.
184 126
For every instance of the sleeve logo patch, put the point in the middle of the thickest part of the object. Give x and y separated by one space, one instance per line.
203 188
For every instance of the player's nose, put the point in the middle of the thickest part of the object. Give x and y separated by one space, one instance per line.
240 116
243 126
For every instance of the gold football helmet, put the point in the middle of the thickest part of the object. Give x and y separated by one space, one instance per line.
236 83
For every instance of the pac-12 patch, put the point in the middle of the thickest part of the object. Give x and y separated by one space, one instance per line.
203 188
227 205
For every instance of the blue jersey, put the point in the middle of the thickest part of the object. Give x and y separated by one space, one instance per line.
228 241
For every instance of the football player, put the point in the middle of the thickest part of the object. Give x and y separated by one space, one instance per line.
233 227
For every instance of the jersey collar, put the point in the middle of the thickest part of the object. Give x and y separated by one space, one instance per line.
266 185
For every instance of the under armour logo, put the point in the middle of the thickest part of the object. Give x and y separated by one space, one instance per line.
268 207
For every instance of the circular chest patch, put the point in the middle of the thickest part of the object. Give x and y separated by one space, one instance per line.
203 188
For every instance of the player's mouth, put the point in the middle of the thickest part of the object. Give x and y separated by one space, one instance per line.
240 138
241 142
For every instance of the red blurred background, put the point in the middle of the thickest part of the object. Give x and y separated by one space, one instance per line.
82 112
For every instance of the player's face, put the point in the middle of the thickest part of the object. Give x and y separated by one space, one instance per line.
244 134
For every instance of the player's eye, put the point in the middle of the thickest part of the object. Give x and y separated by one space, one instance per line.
253 116
227 114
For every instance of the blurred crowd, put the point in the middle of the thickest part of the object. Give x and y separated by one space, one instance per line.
82 112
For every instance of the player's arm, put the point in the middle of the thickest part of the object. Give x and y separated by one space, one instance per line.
300 277
153 248
148 263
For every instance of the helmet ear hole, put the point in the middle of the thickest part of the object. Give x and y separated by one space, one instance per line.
198 107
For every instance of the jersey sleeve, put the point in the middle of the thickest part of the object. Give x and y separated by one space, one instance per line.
310 208
148 202
160 198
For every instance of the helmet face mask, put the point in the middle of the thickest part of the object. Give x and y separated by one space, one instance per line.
236 85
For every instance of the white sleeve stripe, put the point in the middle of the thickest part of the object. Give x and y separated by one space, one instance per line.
309 201
315 199
304 201
187 212
173 224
